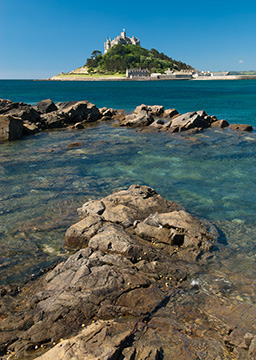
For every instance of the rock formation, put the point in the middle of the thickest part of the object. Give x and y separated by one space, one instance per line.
77 114
122 295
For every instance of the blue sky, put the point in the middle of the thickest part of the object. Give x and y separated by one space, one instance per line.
39 39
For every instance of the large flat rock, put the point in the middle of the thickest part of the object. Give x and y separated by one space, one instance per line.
125 293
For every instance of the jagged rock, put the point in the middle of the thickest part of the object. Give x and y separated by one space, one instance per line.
175 228
11 128
151 353
102 340
92 207
102 110
53 120
241 127
220 124
119 116
152 217
5 105
155 110
45 106
112 238
20 110
170 113
72 112
79 234
157 124
77 111
109 113
252 350
188 121
141 119
131 280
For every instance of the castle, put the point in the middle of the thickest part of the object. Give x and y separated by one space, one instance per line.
121 39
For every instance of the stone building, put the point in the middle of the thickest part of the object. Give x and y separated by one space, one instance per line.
120 39
135 73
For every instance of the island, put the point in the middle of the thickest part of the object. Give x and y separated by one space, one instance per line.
124 60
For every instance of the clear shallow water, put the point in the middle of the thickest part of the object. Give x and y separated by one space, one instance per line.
211 174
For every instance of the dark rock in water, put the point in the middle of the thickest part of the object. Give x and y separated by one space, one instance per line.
170 113
45 106
109 112
157 124
188 121
79 126
75 144
77 111
53 120
241 127
20 110
5 105
155 110
102 110
220 124
78 114
72 112
141 119
11 128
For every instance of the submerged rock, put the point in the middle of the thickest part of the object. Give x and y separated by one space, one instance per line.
241 127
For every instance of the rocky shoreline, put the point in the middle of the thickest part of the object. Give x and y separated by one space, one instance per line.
18 119
129 291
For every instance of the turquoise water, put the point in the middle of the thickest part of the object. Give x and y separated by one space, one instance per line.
234 101
212 174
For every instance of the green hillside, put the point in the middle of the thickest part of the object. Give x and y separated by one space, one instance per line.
120 57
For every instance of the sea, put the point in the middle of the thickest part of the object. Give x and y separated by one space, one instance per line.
212 173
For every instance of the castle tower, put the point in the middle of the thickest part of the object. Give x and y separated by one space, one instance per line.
123 34
120 39
107 45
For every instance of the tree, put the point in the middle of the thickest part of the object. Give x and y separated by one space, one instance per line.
95 53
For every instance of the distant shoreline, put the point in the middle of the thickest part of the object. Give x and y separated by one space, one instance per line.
115 78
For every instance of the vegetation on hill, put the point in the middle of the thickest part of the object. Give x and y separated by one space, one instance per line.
120 57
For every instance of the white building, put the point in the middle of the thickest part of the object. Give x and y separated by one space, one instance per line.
135 73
